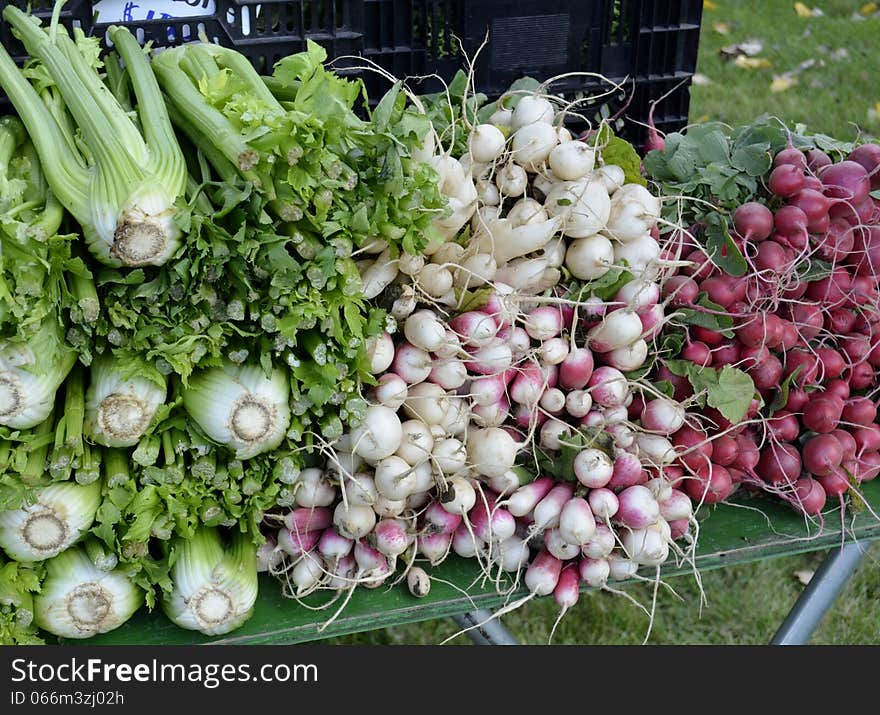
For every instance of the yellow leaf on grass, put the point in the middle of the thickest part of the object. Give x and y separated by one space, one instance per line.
722 28
802 10
869 8
709 5
702 118
780 84
751 63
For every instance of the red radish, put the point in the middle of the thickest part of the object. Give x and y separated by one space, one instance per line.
840 321
868 155
867 438
869 466
847 442
724 450
789 336
835 484
832 362
654 142
862 376
698 353
837 387
792 156
652 321
681 386
823 414
783 425
753 356
779 463
797 398
771 259
711 485
809 496
724 290
806 364
757 330
726 355
816 159
860 410
753 221
845 180
856 348
815 206
702 267
808 319
790 221
710 337
697 447
786 180
767 375
680 290
748 456
837 243
737 476
822 454
812 182
832 290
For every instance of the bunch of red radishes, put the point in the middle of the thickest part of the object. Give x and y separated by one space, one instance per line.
807 330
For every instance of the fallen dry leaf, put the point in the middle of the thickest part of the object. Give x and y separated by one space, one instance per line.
781 83
709 5
804 576
722 28
751 63
869 8
749 48
804 11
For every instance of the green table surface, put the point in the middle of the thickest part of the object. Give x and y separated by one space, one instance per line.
749 530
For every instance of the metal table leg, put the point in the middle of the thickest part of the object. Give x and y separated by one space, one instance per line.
490 633
819 595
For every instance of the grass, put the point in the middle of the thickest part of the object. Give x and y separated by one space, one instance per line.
837 95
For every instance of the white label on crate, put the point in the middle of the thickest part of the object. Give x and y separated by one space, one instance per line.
134 11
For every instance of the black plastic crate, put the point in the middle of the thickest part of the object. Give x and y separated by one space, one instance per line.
652 43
